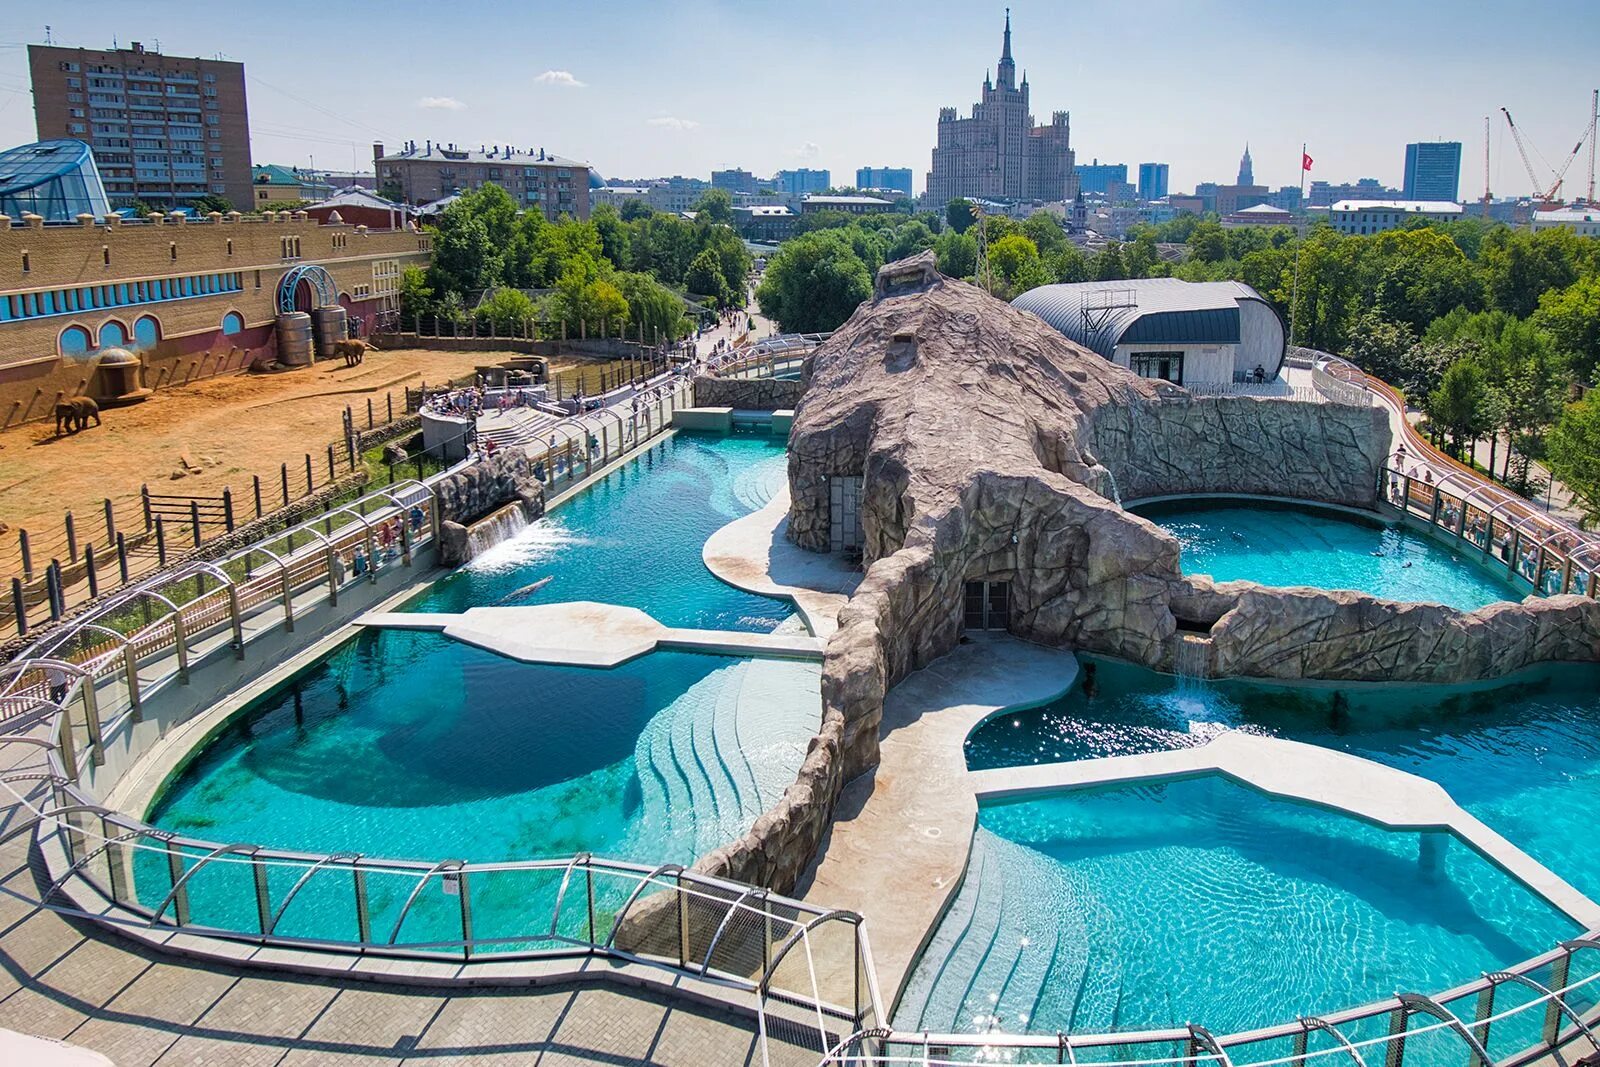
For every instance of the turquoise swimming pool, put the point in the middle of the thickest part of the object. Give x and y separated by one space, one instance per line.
634 538
1176 870
407 745
1201 900
1281 545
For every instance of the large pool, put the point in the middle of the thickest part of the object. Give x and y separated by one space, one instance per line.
408 745
634 538
1304 545
1201 900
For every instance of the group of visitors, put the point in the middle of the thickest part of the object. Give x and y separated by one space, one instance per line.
388 541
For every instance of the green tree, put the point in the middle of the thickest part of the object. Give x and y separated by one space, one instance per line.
1571 316
1044 230
960 214
1014 262
616 240
909 239
1456 407
1519 267
1574 453
957 254
715 206
416 295
705 278
1208 243
1108 263
465 259
1067 264
635 209
1380 347
206 204
814 282
733 260
652 306
509 310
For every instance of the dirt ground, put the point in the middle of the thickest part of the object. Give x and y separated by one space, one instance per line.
230 428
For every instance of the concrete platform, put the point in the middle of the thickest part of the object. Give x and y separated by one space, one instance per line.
752 553
901 834
583 633
719 420
1309 774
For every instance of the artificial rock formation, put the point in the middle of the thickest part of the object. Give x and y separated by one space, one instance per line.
476 492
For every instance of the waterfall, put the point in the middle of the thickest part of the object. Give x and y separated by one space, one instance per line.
1108 478
498 526
1116 494
1191 659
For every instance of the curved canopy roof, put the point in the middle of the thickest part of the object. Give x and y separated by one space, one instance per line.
1102 315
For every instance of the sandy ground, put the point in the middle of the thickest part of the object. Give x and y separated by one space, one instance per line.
230 427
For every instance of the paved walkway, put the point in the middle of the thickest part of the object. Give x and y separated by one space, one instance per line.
898 846
583 633
1310 774
752 553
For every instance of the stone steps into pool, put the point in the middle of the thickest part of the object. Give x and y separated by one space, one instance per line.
773 726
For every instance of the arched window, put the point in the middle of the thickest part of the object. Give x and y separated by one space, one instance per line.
112 335
232 323
146 332
74 341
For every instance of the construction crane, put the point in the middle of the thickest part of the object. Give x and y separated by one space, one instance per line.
1488 197
1540 192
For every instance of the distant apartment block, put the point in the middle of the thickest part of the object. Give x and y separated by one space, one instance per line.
803 182
1433 170
421 174
164 129
888 179
671 195
1326 194
1152 181
1375 216
852 205
734 181
1096 177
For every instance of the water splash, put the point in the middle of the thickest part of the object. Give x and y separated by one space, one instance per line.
533 543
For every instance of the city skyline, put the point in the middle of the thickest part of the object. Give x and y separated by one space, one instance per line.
607 90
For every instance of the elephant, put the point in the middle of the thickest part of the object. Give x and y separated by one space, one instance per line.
353 350
75 412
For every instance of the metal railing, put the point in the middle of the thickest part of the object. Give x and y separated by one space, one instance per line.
1477 1024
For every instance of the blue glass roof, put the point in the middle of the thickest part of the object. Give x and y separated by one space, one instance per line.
55 179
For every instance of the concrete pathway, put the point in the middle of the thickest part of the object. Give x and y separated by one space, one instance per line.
901 834
752 553
583 633
1311 774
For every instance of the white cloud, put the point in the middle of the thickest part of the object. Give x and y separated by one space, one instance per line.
809 150
668 122
441 103
562 78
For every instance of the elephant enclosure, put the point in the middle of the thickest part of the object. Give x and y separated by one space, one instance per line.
218 432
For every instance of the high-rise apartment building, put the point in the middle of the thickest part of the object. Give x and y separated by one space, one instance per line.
897 179
164 129
802 182
998 153
1433 170
1152 181
736 180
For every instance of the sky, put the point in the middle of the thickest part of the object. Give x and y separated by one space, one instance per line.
644 89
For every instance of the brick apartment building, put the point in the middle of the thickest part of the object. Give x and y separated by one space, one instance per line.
420 174
190 298
164 129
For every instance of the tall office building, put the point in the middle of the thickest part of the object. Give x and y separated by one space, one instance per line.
1433 170
897 179
164 129
1152 181
1247 174
1098 177
998 153
734 180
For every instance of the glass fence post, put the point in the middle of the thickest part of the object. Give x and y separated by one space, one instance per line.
363 915
588 879
1395 1052
130 666
117 876
91 721
466 912
1301 1039
683 924
258 873
1480 1022
1559 972
180 902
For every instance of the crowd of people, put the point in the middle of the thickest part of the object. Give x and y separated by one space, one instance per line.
388 541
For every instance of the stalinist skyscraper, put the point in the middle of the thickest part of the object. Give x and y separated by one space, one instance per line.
998 153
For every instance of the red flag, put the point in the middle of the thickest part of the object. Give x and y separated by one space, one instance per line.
1305 161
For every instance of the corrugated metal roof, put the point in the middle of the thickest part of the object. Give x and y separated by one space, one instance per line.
1101 315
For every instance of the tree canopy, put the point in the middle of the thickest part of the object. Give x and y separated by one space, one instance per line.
814 282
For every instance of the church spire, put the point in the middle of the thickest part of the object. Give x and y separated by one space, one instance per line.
1007 73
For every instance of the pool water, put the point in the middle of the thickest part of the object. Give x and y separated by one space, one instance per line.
409 745
1201 900
1523 756
1303 545
634 538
